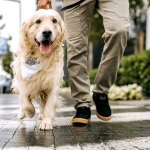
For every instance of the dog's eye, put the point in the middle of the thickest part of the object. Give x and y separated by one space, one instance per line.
54 20
38 21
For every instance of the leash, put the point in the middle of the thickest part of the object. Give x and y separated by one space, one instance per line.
72 5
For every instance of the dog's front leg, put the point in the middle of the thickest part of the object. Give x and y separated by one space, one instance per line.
27 106
21 114
49 111
42 106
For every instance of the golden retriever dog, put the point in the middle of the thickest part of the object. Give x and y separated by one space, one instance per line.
38 65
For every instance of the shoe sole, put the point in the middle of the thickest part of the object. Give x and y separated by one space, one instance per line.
103 118
80 121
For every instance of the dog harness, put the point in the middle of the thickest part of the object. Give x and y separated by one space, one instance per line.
29 67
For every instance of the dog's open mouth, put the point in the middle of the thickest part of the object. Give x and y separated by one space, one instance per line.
45 46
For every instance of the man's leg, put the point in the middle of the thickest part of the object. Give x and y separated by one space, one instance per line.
115 15
78 20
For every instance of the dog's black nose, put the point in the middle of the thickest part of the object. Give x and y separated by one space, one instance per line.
47 33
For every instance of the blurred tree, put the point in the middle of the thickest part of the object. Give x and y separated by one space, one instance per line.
137 11
7 59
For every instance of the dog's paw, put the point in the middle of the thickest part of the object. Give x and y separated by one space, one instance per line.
46 125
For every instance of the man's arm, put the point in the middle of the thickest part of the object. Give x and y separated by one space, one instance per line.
44 4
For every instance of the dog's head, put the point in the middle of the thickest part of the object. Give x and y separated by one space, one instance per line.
45 30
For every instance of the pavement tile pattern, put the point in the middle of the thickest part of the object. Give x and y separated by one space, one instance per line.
129 128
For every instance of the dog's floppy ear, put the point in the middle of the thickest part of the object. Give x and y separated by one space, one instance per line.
63 31
25 26
24 32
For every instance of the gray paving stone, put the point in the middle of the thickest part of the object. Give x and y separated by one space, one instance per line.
98 135
41 148
140 143
120 145
15 146
94 146
69 147
2 144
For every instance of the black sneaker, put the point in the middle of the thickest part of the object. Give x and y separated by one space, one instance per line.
102 106
82 116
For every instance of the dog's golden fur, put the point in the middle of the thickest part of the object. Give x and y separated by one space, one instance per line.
44 85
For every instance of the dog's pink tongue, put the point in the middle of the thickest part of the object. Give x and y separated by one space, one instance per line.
45 49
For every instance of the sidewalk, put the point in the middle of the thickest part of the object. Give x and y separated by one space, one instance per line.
129 128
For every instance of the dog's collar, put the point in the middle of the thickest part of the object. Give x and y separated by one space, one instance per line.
29 67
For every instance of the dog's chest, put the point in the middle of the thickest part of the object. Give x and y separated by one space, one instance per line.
41 76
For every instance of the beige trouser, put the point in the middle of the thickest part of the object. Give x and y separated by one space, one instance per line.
115 15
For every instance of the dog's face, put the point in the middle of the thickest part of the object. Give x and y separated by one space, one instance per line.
44 30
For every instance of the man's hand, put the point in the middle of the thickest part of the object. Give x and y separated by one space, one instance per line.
44 4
